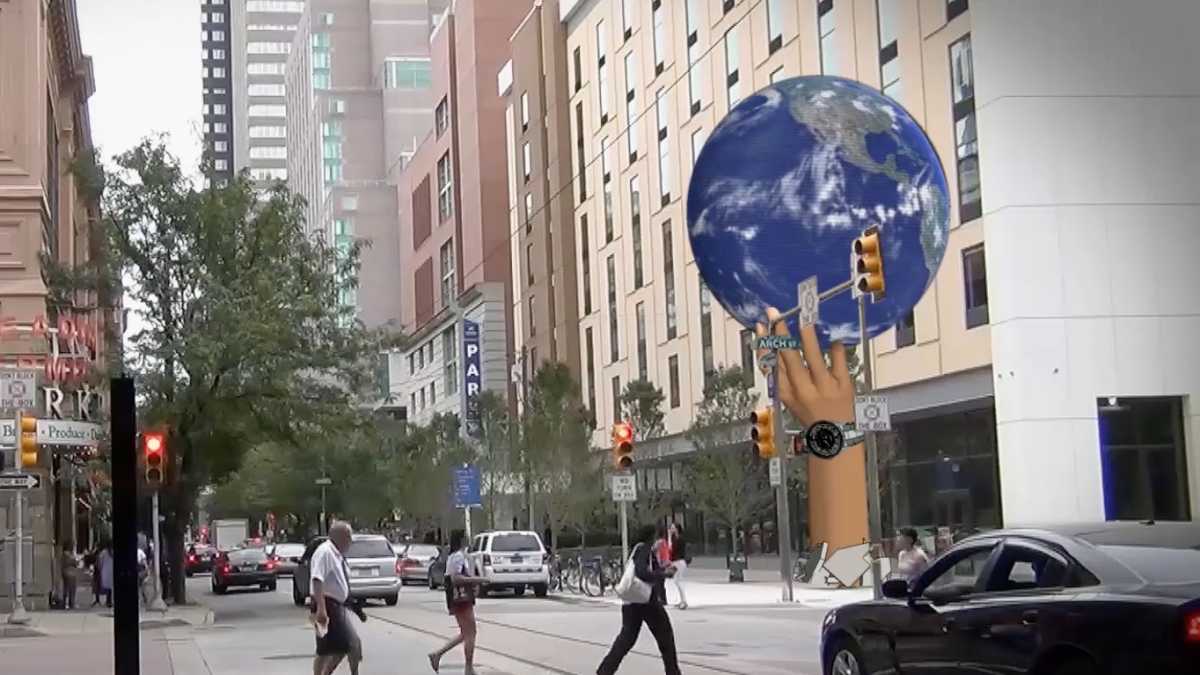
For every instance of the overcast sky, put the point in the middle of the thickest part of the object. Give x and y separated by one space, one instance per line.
147 61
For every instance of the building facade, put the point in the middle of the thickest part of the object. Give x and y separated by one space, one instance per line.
217 76
545 307
51 340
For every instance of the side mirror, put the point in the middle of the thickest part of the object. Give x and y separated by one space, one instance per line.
897 589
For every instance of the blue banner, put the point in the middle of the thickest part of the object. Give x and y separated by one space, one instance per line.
466 487
472 376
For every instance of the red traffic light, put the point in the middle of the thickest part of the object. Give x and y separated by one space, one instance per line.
154 443
623 432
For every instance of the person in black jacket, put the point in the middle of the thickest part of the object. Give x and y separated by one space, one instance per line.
652 613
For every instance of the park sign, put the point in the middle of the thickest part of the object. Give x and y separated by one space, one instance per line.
472 375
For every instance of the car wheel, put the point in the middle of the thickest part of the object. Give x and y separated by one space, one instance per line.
432 583
188 574
219 590
1075 666
540 590
392 599
843 658
272 586
518 591
297 599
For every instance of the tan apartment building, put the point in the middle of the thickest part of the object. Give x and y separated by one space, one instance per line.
455 291
50 341
545 306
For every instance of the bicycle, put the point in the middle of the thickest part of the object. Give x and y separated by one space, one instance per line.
591 580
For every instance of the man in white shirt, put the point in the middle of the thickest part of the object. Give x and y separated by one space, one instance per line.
330 587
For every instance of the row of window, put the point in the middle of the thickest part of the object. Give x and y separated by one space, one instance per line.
289 6
290 28
269 48
212 17
266 68
213 54
407 73
266 89
212 35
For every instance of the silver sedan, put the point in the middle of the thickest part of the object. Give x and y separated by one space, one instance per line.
415 560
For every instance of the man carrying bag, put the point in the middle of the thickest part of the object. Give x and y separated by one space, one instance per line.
644 599
330 584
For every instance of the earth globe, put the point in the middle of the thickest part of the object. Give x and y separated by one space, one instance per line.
791 177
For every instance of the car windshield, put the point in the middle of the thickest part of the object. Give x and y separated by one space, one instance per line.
289 550
248 555
421 551
370 548
1159 564
505 543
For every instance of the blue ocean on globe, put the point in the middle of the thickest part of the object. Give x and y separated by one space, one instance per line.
791 177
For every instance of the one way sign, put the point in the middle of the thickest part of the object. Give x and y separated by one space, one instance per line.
19 481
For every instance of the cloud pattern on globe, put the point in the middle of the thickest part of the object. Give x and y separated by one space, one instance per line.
791 177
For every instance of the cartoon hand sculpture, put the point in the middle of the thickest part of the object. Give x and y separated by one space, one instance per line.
811 390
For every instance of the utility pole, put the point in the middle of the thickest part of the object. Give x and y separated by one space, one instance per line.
783 503
519 376
874 524
18 614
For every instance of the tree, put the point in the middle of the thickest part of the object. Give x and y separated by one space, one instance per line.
244 338
725 478
641 405
495 471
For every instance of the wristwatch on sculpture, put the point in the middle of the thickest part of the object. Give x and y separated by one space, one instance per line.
826 439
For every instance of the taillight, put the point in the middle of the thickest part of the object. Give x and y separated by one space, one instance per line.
191 558
270 564
1191 627
225 569
487 559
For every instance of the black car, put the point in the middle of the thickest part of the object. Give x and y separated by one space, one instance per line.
1113 598
244 567
199 559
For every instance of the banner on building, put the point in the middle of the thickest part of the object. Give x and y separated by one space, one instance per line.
472 376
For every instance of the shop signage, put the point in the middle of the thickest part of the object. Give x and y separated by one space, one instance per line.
69 432
472 375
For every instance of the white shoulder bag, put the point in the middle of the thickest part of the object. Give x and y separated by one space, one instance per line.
630 588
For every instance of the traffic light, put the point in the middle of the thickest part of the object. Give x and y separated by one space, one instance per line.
154 449
868 264
622 438
763 432
27 446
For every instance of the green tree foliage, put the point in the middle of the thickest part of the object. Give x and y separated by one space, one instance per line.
494 451
242 337
726 479
641 406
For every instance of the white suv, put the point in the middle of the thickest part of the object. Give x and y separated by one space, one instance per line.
510 559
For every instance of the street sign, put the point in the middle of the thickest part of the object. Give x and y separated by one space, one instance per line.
776 342
624 487
323 481
466 487
871 413
809 302
18 389
19 481
775 472
69 432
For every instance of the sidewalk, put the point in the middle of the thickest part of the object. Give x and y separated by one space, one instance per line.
99 621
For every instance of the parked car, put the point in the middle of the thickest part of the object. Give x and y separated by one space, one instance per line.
199 559
510 559
287 557
1118 598
374 570
243 567
415 560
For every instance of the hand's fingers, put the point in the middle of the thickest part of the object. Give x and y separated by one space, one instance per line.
796 370
788 395
837 358
815 357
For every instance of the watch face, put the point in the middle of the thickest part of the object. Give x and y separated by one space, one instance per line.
824 439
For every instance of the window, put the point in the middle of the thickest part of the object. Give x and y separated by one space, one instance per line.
524 111
906 330
578 59
616 399
527 160
218 36
590 355
445 182
529 263
673 380
825 27
627 18
268 174
407 73
327 19
746 339
635 224
585 259
268 48
660 36
259 68
694 53
528 211
412 401
889 64
277 27
1143 458
975 278
954 8
706 333
698 138
441 116
422 398
642 357
221 146
962 85
217 17
446 260
220 128
221 165
1021 567
532 322
449 362
669 279
602 67
614 334
218 54
293 6
606 181
274 131
268 152
349 202
774 25
960 569
631 110
581 175
259 89
218 72
261 110
332 170
664 148
412 364
337 106
733 90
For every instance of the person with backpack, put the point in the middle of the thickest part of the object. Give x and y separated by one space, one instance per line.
460 603
644 597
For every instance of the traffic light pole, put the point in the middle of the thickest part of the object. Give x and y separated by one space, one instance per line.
624 508
18 614
157 604
874 524
782 499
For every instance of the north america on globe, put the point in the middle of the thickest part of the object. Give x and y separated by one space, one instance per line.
791 177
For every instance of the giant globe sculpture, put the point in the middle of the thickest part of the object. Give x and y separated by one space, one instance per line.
791 177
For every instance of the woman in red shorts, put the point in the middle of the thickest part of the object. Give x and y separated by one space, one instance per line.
460 601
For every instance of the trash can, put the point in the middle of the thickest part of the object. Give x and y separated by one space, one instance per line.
737 567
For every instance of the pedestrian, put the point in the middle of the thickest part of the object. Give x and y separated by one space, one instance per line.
330 590
70 575
653 613
912 558
91 562
460 602
662 547
679 560
104 561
